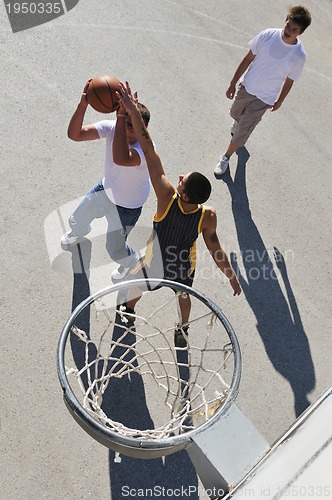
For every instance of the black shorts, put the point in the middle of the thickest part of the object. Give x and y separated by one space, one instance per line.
146 272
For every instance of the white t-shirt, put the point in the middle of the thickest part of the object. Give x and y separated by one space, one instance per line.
274 61
128 187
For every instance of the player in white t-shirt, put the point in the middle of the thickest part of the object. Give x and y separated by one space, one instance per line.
119 196
274 61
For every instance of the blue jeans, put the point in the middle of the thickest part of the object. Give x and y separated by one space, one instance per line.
96 204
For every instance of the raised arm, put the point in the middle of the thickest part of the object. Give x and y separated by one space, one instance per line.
76 130
218 254
162 186
123 154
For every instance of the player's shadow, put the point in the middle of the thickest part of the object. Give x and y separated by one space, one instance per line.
278 318
125 402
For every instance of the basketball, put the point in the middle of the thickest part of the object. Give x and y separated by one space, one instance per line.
101 93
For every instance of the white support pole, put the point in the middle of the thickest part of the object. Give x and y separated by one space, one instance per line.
226 451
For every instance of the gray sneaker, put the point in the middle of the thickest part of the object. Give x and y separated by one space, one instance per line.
69 240
127 315
221 166
120 274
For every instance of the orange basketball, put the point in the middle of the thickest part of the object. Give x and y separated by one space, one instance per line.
101 93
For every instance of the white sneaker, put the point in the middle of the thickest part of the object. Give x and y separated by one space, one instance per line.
67 240
119 274
221 166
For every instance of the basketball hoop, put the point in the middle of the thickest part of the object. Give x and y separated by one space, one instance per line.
183 390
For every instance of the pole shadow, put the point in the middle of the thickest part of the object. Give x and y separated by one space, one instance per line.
278 318
125 402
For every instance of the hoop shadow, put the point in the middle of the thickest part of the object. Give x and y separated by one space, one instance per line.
126 403
278 318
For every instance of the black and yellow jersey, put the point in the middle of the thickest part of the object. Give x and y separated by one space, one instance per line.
171 250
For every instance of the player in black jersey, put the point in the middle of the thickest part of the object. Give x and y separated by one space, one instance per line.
179 219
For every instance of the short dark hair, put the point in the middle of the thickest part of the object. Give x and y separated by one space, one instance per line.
299 15
197 188
145 113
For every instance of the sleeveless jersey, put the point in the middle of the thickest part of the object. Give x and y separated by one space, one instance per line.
171 250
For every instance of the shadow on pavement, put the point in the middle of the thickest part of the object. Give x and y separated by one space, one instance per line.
278 318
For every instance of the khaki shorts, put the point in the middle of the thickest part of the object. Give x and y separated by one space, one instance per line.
247 110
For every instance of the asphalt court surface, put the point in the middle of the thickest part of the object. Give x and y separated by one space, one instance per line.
276 204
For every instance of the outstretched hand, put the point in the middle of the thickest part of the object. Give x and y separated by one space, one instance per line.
126 98
84 99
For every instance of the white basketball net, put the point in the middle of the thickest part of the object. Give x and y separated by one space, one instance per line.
182 387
